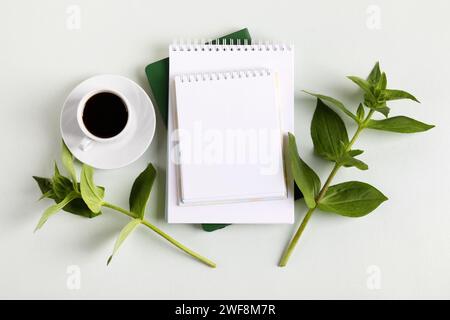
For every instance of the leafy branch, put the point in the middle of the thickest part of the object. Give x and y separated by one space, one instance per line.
331 142
86 199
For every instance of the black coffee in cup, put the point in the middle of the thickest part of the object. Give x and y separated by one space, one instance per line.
105 115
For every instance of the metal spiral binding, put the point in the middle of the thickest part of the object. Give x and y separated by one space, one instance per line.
228 45
213 76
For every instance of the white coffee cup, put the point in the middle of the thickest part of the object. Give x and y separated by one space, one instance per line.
88 141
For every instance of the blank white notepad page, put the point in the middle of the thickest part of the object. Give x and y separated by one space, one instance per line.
230 137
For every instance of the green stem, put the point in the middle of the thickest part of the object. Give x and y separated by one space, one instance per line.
117 208
179 245
293 243
355 136
327 183
163 234
290 248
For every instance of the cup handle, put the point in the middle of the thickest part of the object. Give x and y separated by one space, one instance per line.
85 144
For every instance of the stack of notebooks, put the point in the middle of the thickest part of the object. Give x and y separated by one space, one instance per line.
230 106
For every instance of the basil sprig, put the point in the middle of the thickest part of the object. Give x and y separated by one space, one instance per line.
86 199
331 142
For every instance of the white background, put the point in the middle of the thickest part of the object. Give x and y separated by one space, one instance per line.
405 243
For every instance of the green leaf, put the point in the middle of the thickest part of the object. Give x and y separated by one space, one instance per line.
349 161
376 106
44 184
328 132
355 152
305 178
90 193
54 209
334 102
383 109
76 206
79 207
140 191
297 193
209 227
351 199
399 124
360 113
369 100
67 160
48 195
61 185
381 85
392 94
126 231
363 84
375 74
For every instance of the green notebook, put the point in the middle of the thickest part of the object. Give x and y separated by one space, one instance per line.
158 74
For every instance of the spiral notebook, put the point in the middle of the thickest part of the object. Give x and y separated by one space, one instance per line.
224 59
230 138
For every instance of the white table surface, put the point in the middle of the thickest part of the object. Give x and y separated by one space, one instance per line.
402 250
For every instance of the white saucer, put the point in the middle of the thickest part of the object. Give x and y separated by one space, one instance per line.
117 153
